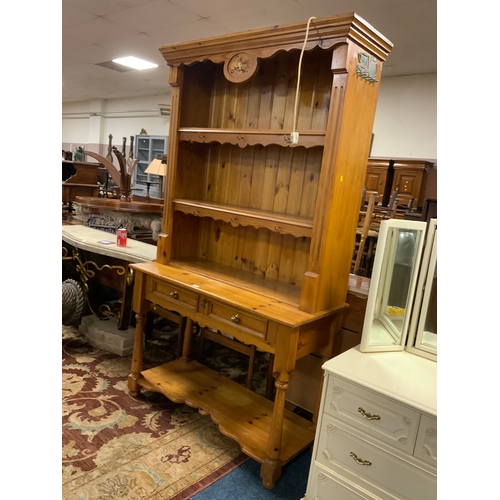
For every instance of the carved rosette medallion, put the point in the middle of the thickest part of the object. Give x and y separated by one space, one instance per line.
240 67
367 67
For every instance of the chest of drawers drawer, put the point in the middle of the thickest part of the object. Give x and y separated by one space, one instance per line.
325 485
391 422
374 468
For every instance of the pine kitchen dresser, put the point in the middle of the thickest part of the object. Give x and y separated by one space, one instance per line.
261 205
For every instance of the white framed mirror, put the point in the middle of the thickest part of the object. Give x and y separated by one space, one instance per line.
422 335
392 286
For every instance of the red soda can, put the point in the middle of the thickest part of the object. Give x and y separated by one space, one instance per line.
121 237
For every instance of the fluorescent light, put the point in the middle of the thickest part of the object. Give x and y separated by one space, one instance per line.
134 62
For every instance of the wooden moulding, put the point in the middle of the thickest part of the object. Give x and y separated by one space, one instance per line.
324 32
240 413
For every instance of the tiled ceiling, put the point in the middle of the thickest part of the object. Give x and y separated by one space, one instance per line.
97 31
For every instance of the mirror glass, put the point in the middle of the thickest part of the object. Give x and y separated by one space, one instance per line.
423 331
428 335
392 286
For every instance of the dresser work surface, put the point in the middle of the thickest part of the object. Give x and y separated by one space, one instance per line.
377 429
403 376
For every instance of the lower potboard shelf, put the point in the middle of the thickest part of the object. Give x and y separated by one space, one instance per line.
240 413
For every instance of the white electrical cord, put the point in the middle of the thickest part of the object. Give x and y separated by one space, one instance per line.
294 136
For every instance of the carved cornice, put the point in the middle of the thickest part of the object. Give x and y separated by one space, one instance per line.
324 32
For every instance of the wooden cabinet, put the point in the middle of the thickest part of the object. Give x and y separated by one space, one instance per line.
83 180
377 430
379 174
410 180
147 148
258 227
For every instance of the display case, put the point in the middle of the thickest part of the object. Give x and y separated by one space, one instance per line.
148 148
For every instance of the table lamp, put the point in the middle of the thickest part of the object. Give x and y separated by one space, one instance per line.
158 167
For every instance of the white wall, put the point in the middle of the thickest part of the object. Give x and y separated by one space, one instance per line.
405 122
118 117
406 118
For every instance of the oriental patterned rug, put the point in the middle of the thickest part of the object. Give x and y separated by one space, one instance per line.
116 446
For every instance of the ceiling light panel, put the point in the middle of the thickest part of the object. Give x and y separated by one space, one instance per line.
135 62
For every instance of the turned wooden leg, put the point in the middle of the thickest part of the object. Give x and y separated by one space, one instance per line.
284 364
137 355
188 336
270 470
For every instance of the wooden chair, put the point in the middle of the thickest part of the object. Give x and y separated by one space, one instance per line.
400 205
362 234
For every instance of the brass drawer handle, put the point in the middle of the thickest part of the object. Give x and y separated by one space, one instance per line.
359 461
367 415
235 318
174 295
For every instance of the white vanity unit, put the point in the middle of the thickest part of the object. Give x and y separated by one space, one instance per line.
376 434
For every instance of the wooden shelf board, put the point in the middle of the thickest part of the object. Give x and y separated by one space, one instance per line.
235 215
240 413
251 137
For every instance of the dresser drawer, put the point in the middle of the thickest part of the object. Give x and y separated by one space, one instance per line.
169 296
426 445
381 417
324 485
238 319
373 468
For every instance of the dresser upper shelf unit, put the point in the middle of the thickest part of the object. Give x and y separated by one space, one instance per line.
242 196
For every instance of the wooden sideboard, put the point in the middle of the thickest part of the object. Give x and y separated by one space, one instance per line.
409 178
260 212
84 181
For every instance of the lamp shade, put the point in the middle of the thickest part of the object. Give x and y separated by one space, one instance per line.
157 167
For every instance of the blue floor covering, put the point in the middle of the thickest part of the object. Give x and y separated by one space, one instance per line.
244 483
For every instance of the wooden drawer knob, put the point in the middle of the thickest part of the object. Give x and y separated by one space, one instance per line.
174 295
235 318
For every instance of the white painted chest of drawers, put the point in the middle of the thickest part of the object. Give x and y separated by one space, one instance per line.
377 429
